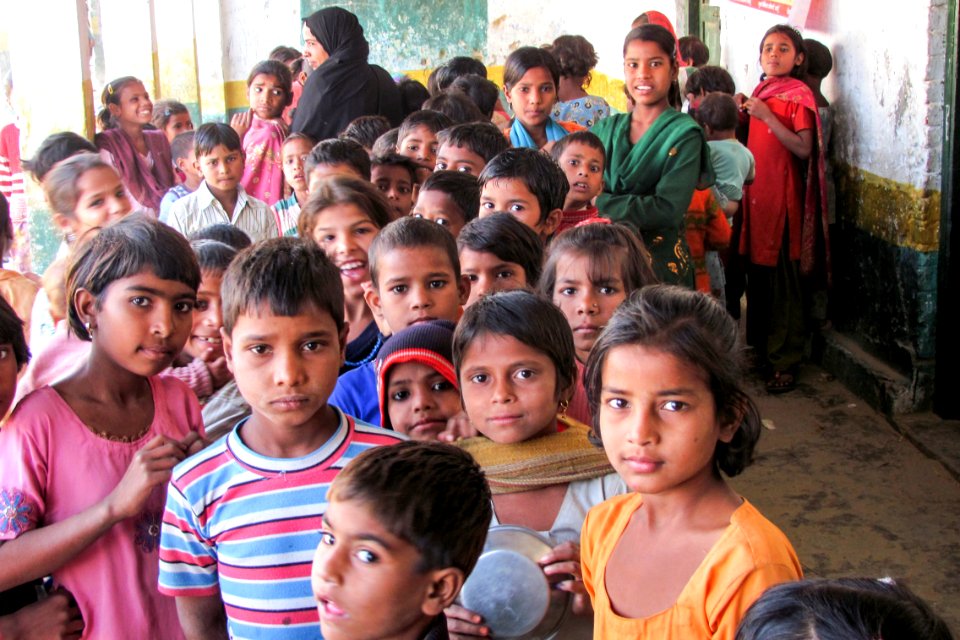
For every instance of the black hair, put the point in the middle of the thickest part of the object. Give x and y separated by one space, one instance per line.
6 224
432 495
456 106
395 160
841 609
696 329
224 232
433 120
11 332
213 256
798 70
484 93
285 54
710 79
718 111
412 96
387 143
213 134
182 145
668 44
580 137
410 232
163 110
60 184
278 70
819 59
336 190
693 49
457 67
509 313
463 189
125 248
53 149
366 130
507 238
111 95
432 87
482 138
575 56
543 177
285 275
339 151
525 58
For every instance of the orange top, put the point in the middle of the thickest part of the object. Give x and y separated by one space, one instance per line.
750 556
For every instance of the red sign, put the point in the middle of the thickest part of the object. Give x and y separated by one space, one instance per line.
779 7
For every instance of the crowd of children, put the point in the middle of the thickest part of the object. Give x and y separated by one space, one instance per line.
286 372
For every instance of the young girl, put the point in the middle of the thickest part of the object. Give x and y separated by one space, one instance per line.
293 153
263 130
530 80
172 118
576 58
515 378
656 156
141 156
343 216
589 271
784 232
683 555
115 424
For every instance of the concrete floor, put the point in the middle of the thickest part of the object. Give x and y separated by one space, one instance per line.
855 496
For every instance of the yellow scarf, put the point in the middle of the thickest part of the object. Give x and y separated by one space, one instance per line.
556 458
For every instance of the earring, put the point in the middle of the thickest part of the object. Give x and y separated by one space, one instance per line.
89 328
563 408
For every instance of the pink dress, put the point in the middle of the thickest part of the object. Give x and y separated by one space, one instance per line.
53 467
263 169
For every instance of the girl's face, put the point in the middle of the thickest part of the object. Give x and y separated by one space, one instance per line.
778 56
293 155
205 340
648 73
586 304
509 389
267 96
344 232
135 106
141 322
313 51
533 96
420 400
177 124
658 420
102 199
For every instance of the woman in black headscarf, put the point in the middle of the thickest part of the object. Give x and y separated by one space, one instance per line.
343 86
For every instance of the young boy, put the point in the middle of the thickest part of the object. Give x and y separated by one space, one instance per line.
366 130
396 178
449 198
220 198
499 253
293 156
336 156
528 185
469 147
243 515
417 139
185 166
582 158
421 511
732 162
415 277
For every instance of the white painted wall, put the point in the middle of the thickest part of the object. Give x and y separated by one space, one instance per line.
252 29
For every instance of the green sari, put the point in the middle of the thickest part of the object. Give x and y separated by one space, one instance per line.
649 185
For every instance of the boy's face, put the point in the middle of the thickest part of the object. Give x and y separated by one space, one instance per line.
487 273
420 145
420 400
366 580
222 168
324 170
345 232
285 366
266 96
416 284
394 182
453 158
513 196
439 207
583 166
8 378
292 157
205 341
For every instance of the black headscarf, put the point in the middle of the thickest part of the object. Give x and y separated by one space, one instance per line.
345 86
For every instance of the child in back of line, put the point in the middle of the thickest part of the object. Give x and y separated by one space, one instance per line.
516 377
456 106
414 278
682 555
262 130
343 216
484 93
112 422
183 150
403 530
469 147
499 253
336 157
416 383
243 516
172 118
576 58
449 198
417 139
386 143
707 233
582 159
365 130
141 156
528 185
396 178
732 162
220 197
589 271
293 154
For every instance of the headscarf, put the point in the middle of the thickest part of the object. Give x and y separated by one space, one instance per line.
657 18
345 86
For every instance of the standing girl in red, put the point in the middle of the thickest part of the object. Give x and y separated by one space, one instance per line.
784 231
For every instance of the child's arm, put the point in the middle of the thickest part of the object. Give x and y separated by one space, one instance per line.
202 618
798 143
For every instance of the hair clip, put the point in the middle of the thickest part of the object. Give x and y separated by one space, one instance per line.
109 89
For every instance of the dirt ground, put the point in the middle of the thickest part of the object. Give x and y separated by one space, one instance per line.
854 496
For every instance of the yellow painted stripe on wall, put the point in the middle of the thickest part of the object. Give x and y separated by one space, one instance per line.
235 94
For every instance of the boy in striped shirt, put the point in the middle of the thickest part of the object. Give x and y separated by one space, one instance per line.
243 517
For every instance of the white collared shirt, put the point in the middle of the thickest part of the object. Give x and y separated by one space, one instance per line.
201 209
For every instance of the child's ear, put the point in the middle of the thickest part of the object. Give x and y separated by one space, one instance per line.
443 589
86 305
66 224
799 61
227 349
369 291
415 190
463 287
344 332
730 420
552 223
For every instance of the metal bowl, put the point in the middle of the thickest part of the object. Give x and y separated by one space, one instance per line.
509 589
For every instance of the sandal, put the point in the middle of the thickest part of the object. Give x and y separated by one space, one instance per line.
781 382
